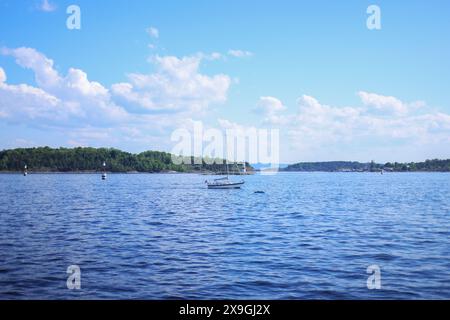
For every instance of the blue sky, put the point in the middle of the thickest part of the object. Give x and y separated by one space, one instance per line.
334 88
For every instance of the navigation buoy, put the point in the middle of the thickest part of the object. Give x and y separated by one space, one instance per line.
104 171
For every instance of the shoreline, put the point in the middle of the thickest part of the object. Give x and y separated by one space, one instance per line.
208 173
124 172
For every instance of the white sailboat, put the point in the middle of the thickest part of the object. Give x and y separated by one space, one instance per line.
224 183
25 170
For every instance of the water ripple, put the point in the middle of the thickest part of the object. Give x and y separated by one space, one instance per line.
308 236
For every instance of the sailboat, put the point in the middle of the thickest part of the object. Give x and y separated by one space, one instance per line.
224 183
25 170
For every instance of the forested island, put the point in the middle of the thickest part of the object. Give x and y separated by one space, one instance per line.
352 166
45 159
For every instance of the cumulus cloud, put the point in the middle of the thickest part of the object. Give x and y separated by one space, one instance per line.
142 110
71 98
177 85
147 107
239 53
74 84
271 109
316 124
45 75
329 132
388 104
270 105
23 101
2 75
309 105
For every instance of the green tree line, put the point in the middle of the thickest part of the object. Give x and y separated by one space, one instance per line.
91 159
327 166
332 166
428 165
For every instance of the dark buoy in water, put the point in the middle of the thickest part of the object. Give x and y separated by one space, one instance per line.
104 171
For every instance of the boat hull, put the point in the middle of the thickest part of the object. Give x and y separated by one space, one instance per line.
226 186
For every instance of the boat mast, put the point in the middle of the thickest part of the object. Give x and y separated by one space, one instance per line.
226 164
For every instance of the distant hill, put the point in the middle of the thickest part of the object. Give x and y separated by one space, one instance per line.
330 166
47 159
428 165
352 166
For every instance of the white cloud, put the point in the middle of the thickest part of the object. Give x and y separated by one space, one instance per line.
310 106
315 123
388 104
46 6
30 58
270 105
229 125
74 84
271 109
72 98
141 112
2 75
215 56
177 85
24 100
240 53
212 56
153 32
321 132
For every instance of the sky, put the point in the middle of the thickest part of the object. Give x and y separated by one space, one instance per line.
137 71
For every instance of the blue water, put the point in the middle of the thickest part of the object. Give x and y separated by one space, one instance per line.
155 236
